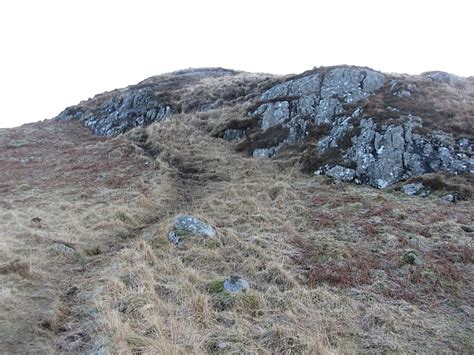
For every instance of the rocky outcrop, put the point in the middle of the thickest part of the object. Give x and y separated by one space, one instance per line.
121 112
385 154
315 98
157 98
356 146
353 124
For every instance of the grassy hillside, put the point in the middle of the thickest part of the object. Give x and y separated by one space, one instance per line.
86 265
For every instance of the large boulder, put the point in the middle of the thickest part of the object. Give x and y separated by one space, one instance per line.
187 224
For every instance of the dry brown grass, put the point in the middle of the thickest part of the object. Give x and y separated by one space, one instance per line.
441 106
322 260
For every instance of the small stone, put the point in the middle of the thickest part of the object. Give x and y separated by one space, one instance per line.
412 189
174 238
222 345
234 134
235 284
467 229
36 222
450 198
227 322
411 257
66 249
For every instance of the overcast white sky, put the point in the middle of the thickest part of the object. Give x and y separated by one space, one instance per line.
55 53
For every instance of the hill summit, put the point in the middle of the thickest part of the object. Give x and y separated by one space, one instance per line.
354 124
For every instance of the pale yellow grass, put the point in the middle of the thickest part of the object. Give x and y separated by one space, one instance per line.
128 290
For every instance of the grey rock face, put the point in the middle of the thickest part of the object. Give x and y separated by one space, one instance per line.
382 154
120 113
341 174
385 155
189 224
316 98
236 284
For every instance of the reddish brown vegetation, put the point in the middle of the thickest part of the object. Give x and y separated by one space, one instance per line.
383 231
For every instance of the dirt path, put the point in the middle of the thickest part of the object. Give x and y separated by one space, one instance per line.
62 191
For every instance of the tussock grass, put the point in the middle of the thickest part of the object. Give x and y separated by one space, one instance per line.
324 262
314 254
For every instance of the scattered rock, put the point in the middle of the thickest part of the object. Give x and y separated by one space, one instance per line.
416 188
236 284
65 248
450 198
174 238
341 174
467 229
265 153
128 109
36 222
222 345
411 257
187 224
234 134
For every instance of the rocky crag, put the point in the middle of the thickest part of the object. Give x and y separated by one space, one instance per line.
353 124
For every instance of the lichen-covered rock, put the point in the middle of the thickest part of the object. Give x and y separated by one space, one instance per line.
450 198
192 225
174 238
380 153
412 189
385 155
341 174
265 153
315 98
236 284
411 257
127 109
65 249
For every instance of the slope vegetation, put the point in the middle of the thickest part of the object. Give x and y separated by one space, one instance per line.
87 266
